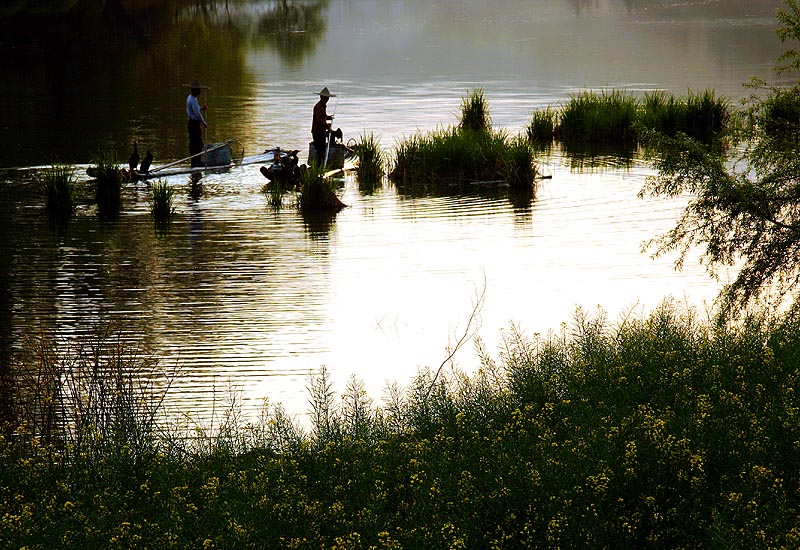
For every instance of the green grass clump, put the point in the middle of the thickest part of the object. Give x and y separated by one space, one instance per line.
371 161
542 126
781 112
161 200
452 157
593 117
59 187
475 116
660 431
109 180
318 193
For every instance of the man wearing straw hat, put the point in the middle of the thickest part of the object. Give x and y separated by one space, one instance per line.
320 125
194 112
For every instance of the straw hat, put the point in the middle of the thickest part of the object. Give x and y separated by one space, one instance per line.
325 93
195 85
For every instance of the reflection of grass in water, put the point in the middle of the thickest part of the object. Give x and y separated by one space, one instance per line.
664 428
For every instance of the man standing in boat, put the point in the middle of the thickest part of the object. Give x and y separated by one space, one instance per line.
321 125
194 112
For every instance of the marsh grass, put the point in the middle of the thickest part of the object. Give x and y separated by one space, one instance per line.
616 119
450 157
665 430
109 180
604 117
59 189
781 112
542 127
371 161
318 193
475 115
161 199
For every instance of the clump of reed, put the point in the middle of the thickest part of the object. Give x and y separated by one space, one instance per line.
475 116
451 157
608 116
161 197
59 188
109 180
371 161
274 191
318 193
470 153
780 112
616 118
542 127
702 116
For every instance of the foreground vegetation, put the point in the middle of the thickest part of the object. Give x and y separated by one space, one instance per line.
655 432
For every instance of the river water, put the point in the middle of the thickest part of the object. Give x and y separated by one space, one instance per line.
239 295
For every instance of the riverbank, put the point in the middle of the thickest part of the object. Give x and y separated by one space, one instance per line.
661 432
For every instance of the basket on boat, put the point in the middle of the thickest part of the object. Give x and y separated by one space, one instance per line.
219 155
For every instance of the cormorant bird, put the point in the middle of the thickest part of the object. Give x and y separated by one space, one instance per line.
148 160
133 160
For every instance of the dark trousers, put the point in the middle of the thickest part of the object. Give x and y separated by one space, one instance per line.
320 146
195 141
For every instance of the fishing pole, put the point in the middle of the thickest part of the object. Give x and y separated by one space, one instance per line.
328 148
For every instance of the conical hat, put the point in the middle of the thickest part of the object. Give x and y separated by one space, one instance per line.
326 93
195 85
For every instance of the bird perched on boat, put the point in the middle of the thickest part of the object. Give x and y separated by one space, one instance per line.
133 160
148 160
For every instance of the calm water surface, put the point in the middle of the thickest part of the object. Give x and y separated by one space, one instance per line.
237 294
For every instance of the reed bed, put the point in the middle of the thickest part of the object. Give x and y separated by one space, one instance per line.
59 189
471 153
475 115
161 200
617 118
450 157
109 180
371 161
659 431
318 193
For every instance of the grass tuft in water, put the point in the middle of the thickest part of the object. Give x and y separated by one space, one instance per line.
59 188
594 117
161 200
475 115
542 127
109 179
318 193
371 161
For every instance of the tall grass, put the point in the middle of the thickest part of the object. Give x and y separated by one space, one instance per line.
450 157
594 117
656 431
318 193
109 180
371 161
475 116
161 199
615 118
542 127
59 188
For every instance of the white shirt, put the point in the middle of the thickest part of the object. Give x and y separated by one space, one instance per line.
193 109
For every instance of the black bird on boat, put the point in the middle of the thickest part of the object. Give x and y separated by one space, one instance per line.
133 160
148 160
